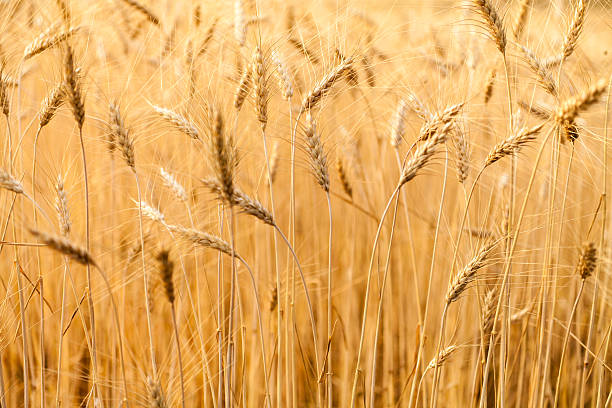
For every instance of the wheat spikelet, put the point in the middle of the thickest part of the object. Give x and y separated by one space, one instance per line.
462 147
284 79
351 75
417 106
50 105
274 160
571 38
4 95
244 86
10 183
166 268
197 15
423 154
493 22
245 203
538 111
303 48
171 182
156 396
207 38
152 213
239 23
442 357
316 154
570 108
202 239
542 72
587 260
439 120
74 93
489 306
344 177
64 246
512 144
121 136
45 41
398 124
519 22
179 122
223 156
325 84
570 131
489 86
468 273
61 4
260 91
369 71
61 206
143 10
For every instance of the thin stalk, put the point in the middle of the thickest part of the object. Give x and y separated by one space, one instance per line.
380 305
414 387
565 340
329 309
178 350
145 279
367 294
279 316
506 270
92 319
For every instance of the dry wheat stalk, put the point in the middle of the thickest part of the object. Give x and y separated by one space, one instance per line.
423 154
542 72
303 48
439 120
61 206
468 273
223 156
64 246
512 144
45 41
571 38
202 238
171 182
156 397
316 154
51 104
73 89
493 22
179 122
143 10
398 124
344 177
166 268
587 260
274 160
442 357
10 183
245 203
244 86
207 38
239 23
489 86
462 147
121 136
521 16
324 85
260 90
570 108
284 78
489 306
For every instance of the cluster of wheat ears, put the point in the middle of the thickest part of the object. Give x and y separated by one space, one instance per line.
305 204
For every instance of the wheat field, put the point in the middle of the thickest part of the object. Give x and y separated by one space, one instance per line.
265 203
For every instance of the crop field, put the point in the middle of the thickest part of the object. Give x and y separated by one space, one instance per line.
325 203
